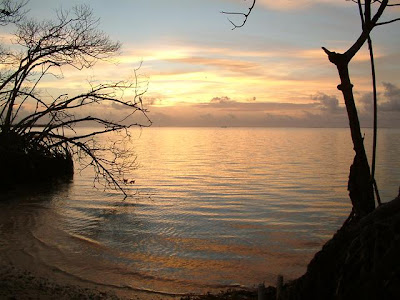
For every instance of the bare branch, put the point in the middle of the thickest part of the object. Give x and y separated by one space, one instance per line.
393 4
48 128
388 22
11 11
367 28
245 15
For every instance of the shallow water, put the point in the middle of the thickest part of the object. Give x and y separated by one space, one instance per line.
215 208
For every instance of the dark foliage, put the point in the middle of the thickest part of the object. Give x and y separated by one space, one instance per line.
37 130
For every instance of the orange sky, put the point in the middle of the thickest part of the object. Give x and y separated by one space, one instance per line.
272 72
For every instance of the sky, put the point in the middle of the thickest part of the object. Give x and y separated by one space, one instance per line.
271 72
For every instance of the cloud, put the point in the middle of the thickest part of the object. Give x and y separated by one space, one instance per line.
327 103
222 100
228 104
366 101
207 117
388 101
392 95
279 119
284 5
226 111
152 100
118 106
231 65
388 106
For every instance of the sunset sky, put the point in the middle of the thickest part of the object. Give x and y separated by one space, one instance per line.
271 72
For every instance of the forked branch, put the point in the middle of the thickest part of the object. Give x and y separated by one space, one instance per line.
245 15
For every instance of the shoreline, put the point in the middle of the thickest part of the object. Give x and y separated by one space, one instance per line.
21 284
16 283
358 262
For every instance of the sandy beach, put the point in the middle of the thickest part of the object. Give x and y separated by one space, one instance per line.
20 284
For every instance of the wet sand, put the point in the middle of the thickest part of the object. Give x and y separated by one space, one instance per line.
20 284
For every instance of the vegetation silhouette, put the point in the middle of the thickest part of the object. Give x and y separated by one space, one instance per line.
38 139
361 181
360 261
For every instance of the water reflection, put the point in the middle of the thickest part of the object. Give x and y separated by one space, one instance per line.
261 201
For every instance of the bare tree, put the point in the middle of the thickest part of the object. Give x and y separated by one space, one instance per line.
11 11
361 181
32 123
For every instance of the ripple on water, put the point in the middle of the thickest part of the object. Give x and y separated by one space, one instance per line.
214 209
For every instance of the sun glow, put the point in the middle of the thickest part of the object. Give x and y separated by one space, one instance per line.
186 67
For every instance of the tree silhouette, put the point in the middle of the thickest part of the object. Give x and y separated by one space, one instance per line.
11 11
361 180
34 124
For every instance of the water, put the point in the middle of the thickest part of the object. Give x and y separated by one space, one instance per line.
215 208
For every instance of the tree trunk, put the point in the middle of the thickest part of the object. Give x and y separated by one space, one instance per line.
360 185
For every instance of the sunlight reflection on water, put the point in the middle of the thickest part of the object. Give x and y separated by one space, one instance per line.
216 207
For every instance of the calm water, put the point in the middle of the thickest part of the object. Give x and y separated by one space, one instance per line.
215 208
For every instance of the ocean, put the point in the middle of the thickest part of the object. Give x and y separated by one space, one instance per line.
213 208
